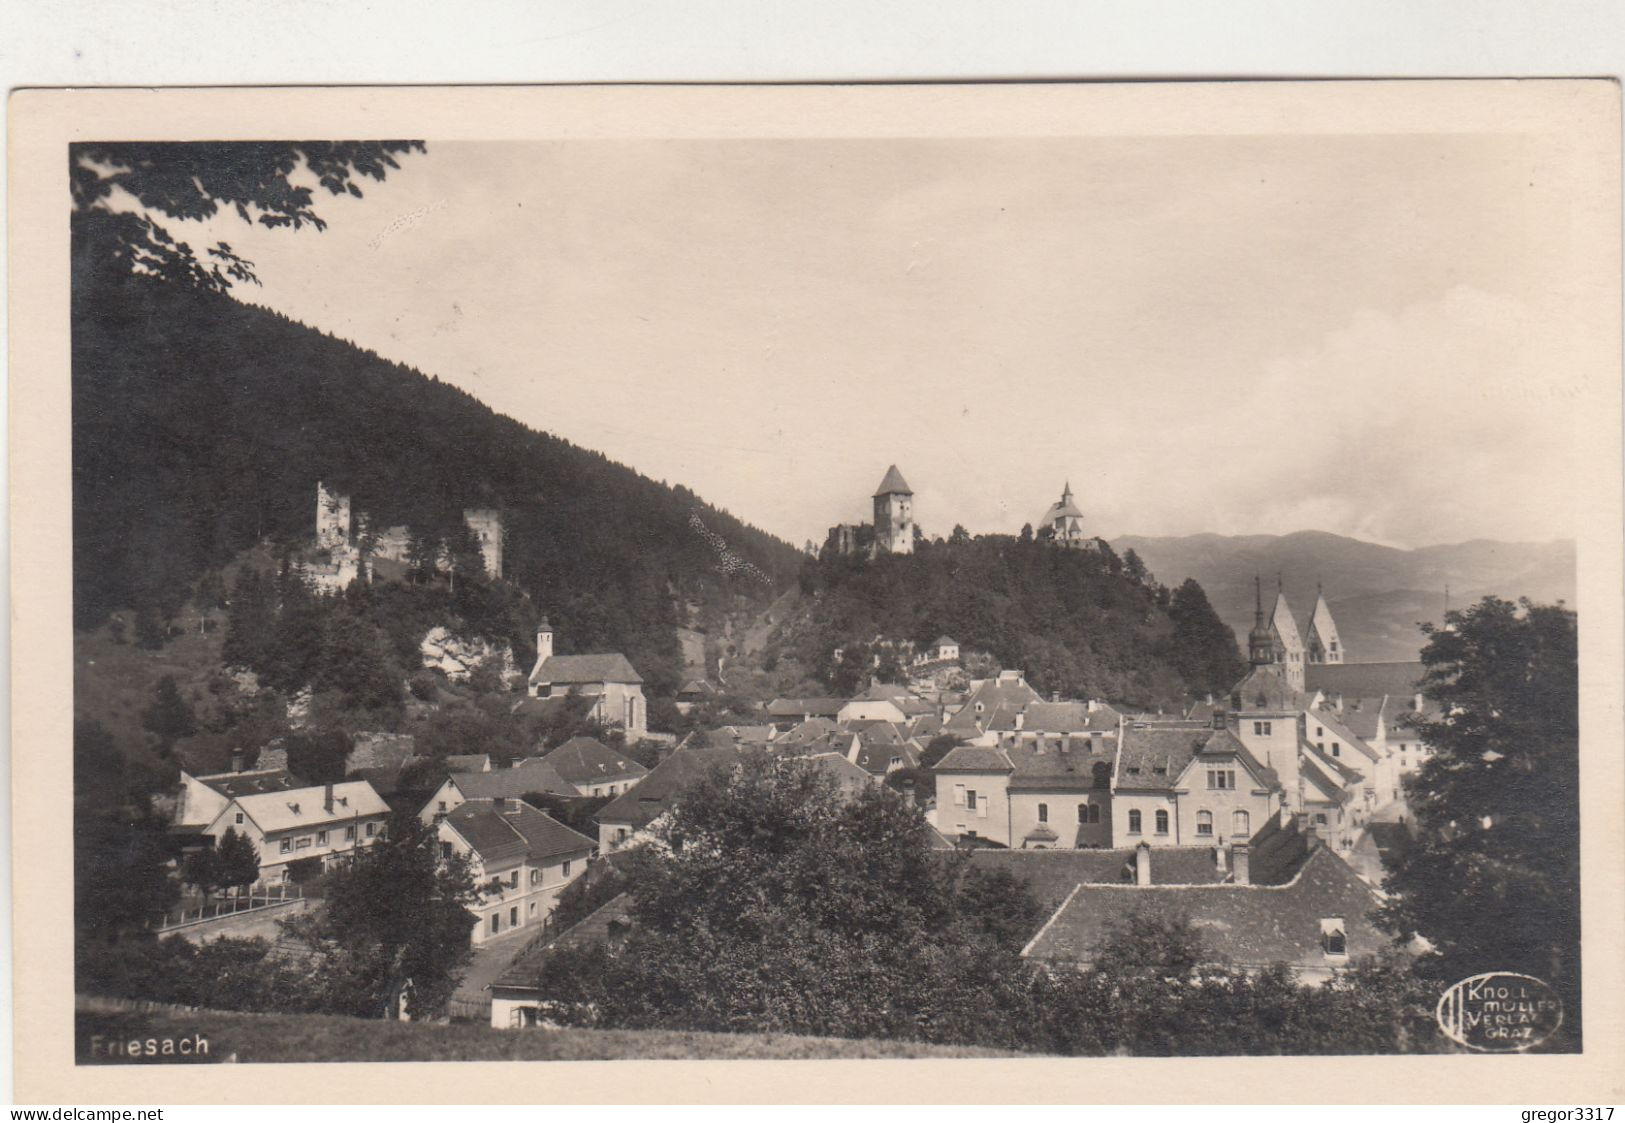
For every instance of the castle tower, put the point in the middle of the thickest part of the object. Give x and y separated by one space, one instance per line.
332 518
894 514
487 527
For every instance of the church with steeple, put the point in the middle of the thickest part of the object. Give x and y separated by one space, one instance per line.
1062 524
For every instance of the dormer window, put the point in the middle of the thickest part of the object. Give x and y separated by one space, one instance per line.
1333 938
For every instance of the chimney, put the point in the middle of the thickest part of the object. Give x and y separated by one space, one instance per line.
1218 719
908 793
1054 695
1241 863
327 799
544 640
1091 706
1142 864
513 807
236 760
1416 703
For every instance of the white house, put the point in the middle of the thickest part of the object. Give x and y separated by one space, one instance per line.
520 859
326 822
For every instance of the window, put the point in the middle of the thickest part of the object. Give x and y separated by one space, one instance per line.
441 806
620 834
970 799
321 838
513 917
513 880
286 847
445 850
302 843
1221 779
1162 822
1204 822
1333 939
349 834
1320 819
1319 732
959 795
1043 812
239 816
1337 750
1094 812
1241 824
566 870
1133 822
1083 812
372 829
496 923
1261 729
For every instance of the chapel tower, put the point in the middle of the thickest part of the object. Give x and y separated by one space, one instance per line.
894 514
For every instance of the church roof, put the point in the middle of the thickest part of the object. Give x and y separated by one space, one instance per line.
612 667
893 484
1286 625
1267 689
1364 680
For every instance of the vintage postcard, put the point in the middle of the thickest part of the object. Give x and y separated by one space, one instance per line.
1053 592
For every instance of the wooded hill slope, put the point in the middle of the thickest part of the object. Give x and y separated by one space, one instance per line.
201 426
1085 623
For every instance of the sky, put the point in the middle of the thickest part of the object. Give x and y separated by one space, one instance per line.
1240 335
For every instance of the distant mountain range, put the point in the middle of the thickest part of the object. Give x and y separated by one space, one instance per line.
1378 595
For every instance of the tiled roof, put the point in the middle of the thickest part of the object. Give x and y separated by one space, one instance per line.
810 730
586 760
469 762
1152 756
1069 717
1364 680
517 831
991 694
893 483
235 784
1316 770
510 783
1267 690
307 807
1361 715
655 794
848 777
925 726
944 641
805 707
875 758
1249 926
1052 874
1224 741
1051 769
874 732
970 758
569 669
594 928
696 686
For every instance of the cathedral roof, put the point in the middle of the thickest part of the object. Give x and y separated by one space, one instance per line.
893 484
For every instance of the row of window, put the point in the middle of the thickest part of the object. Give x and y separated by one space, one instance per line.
303 842
1240 823
1087 812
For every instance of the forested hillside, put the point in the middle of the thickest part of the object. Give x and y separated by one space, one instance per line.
1083 622
201 426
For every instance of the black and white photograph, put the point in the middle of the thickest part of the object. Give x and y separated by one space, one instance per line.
840 594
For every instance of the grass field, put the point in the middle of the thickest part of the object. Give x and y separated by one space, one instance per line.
250 1038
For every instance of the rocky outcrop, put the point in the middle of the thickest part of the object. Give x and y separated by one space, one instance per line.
456 657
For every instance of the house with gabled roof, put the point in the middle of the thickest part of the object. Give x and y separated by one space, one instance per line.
1008 691
595 769
613 685
1317 922
629 814
202 798
1183 783
517 1001
520 859
325 822
533 775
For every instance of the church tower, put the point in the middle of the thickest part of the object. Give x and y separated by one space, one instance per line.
1065 521
1323 643
1260 641
894 514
